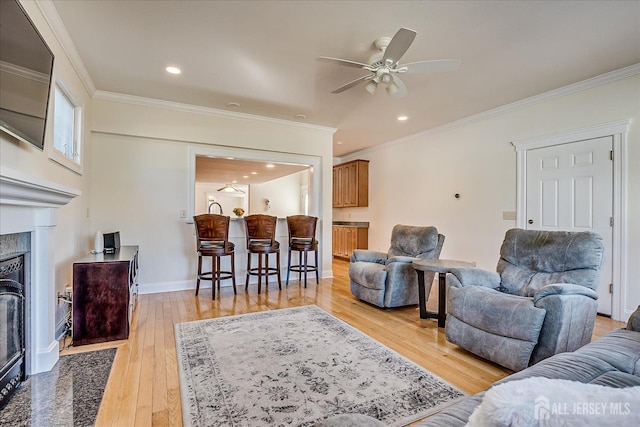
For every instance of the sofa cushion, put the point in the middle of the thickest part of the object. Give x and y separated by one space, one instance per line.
454 415
617 379
633 324
619 348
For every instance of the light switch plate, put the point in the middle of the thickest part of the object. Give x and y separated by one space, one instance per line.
509 215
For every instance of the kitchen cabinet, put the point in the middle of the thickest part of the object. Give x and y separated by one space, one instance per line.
347 238
105 290
351 184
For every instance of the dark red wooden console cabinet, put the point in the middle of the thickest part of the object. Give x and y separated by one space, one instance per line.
105 290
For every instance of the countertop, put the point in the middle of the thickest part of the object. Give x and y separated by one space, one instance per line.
358 224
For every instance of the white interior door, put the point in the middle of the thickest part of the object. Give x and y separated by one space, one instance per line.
570 187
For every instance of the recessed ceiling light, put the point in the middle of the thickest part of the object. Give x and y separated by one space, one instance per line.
403 118
254 173
233 105
300 116
269 165
339 142
245 176
234 182
173 70
230 158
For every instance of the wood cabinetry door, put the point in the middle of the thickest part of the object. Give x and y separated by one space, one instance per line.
337 186
347 239
351 184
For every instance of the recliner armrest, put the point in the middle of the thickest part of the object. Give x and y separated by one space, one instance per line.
564 289
363 255
471 276
400 259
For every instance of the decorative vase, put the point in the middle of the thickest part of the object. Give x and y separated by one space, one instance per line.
98 243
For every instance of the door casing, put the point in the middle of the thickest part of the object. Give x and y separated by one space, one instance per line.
618 130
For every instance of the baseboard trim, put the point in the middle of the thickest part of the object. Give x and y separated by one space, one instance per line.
185 285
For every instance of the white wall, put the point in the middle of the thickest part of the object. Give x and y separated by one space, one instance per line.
283 195
140 178
72 235
413 181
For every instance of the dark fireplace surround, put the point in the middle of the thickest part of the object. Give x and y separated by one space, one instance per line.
12 325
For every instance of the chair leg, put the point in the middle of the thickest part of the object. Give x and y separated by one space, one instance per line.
306 253
288 267
317 268
214 272
278 269
199 272
246 285
259 272
233 272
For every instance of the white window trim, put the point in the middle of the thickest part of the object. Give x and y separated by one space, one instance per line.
54 154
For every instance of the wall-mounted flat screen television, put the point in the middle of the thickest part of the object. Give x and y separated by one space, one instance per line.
26 68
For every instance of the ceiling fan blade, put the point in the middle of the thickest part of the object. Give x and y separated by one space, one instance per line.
352 84
402 88
434 66
398 45
341 62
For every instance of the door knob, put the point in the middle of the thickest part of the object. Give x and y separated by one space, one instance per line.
530 221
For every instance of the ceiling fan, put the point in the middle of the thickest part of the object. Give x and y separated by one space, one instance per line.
384 67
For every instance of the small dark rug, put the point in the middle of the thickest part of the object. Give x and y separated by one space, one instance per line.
68 395
294 367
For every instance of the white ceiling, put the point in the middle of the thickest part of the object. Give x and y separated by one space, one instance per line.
237 171
261 54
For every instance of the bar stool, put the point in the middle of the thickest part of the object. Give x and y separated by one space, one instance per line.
212 232
302 238
261 240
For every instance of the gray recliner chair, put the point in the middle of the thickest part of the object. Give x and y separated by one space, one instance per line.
541 301
389 279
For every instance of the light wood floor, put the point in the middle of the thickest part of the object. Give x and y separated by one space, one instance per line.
143 388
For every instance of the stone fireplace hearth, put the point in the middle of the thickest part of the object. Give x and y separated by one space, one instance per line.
30 204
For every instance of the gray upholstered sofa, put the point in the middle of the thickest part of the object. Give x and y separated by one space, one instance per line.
612 361
389 279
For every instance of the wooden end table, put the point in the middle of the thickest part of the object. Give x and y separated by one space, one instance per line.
440 267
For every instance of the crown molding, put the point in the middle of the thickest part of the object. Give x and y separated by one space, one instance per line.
24 72
600 80
208 111
50 13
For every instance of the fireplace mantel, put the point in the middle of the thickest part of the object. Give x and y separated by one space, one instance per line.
30 204
17 188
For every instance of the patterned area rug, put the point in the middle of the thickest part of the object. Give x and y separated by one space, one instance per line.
295 367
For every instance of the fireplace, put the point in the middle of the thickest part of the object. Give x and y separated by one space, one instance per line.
28 217
12 326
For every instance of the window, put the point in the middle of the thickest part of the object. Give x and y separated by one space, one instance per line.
66 130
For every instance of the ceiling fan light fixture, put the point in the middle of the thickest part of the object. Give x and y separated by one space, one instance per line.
371 87
392 88
228 188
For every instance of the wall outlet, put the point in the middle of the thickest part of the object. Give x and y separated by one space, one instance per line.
183 214
509 215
